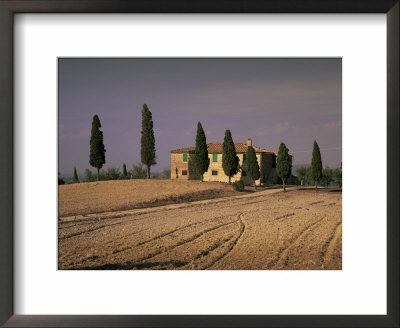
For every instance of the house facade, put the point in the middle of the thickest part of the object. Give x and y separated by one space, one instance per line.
182 165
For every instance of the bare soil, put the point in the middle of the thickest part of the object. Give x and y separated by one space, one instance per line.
267 230
107 196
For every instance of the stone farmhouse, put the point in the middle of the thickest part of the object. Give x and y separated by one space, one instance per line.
182 165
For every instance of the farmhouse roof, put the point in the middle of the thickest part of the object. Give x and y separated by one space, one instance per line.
216 147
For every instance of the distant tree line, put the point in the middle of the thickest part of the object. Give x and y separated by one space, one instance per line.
329 176
315 174
138 171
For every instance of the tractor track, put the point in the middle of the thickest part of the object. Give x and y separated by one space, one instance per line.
230 248
180 243
327 249
302 231
283 250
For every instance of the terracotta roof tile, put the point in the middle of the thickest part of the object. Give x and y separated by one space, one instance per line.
216 147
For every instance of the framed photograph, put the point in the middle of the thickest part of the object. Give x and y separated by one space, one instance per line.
198 196
199 152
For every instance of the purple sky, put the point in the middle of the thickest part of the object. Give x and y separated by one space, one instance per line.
268 100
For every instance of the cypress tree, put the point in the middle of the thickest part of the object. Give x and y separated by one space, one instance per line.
97 157
283 164
316 165
76 179
230 161
201 160
124 172
147 141
252 167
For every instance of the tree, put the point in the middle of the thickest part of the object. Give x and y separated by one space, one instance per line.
166 173
156 175
60 179
97 157
327 175
89 176
138 171
301 172
201 160
147 142
230 161
283 167
337 174
124 172
316 165
75 178
112 173
251 165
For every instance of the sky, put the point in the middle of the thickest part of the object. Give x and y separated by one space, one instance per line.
295 101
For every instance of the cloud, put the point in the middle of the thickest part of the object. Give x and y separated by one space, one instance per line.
331 126
234 97
281 127
277 129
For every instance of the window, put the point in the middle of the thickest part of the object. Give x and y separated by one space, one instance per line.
185 157
215 158
244 157
184 172
214 172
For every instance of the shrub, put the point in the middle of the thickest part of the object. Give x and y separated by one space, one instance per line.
238 185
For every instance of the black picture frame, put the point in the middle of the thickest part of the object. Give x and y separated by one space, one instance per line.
10 7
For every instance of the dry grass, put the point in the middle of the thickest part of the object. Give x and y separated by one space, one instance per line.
107 196
268 230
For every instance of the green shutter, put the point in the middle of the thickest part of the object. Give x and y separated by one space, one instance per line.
244 157
215 158
185 157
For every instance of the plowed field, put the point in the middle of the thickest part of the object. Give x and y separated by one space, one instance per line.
267 230
103 196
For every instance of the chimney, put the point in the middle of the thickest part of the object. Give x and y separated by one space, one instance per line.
248 142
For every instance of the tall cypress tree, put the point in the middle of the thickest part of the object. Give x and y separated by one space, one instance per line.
316 165
76 178
252 167
97 157
230 161
283 164
201 160
147 141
